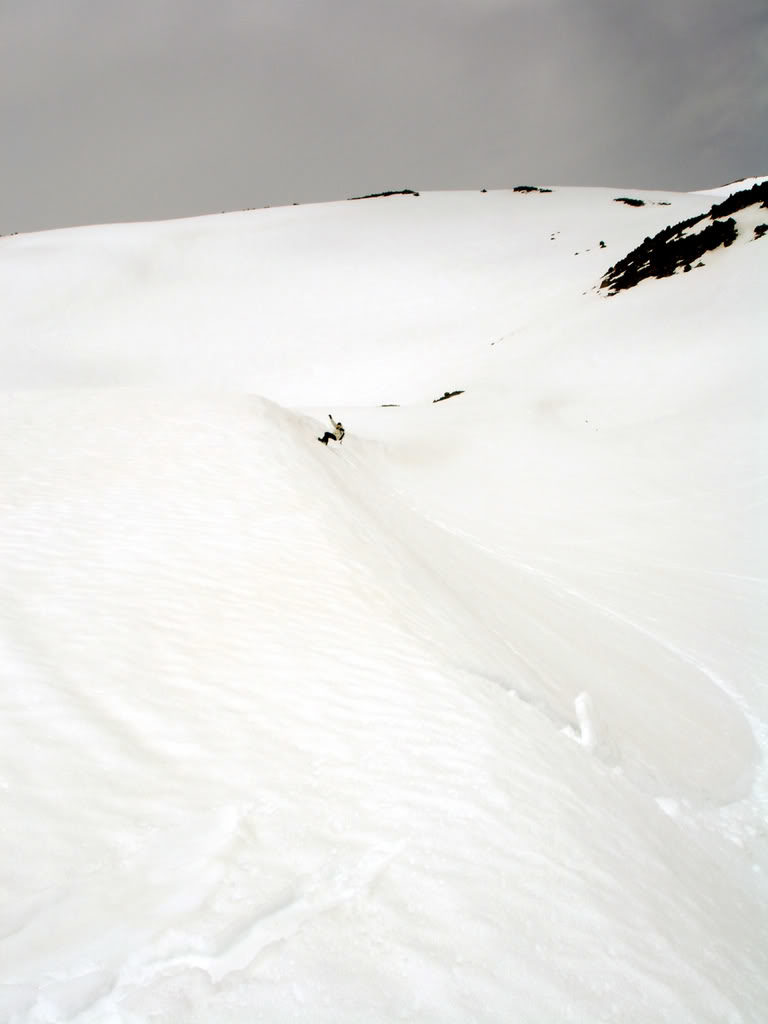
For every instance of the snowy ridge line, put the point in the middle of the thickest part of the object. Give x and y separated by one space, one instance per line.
731 187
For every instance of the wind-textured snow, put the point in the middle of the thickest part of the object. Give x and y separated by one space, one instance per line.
463 720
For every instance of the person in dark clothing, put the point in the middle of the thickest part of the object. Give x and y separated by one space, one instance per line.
336 435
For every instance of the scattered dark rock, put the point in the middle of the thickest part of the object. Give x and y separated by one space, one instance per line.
741 200
530 188
630 202
448 394
390 405
667 252
382 195
677 247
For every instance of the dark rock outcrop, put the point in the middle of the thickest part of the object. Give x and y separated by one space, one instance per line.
382 195
678 246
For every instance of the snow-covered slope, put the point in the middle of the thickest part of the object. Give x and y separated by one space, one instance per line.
461 720
358 302
734 186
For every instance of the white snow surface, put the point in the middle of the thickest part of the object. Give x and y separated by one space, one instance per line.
734 186
463 720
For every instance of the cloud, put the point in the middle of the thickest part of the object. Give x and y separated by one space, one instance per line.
163 108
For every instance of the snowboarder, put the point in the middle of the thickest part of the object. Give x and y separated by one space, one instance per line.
336 435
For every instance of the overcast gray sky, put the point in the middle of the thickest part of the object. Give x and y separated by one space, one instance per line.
144 109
